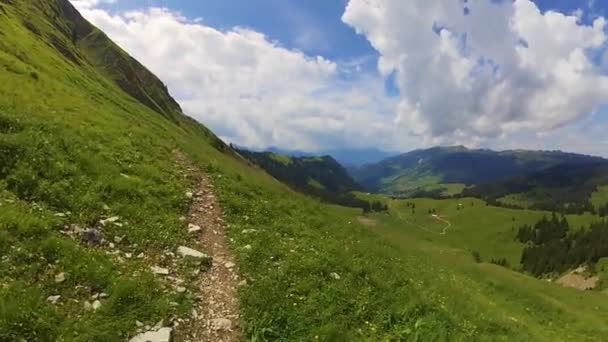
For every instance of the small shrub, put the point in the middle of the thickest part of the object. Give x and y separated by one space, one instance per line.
476 256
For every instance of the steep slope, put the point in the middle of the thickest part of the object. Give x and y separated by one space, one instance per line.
94 206
457 165
566 188
321 177
82 44
307 174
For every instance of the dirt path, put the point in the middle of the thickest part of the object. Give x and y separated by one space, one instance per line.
443 232
217 309
448 224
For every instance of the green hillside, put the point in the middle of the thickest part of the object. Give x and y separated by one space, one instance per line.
307 174
317 176
91 136
436 168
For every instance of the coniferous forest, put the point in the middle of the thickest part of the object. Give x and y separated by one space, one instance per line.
554 248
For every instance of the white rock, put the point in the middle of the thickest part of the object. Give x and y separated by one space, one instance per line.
159 270
139 324
229 265
192 228
109 220
60 277
247 247
335 275
96 305
159 335
189 194
60 215
180 289
53 299
103 295
221 324
189 252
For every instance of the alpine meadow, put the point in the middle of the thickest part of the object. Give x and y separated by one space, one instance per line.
123 217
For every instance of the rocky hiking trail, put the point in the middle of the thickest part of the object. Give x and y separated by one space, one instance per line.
215 315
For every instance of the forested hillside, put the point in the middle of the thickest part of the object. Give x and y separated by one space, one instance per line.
566 188
321 177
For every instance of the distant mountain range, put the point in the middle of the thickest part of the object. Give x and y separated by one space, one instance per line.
457 165
347 157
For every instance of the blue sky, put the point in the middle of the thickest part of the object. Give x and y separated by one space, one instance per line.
396 86
312 26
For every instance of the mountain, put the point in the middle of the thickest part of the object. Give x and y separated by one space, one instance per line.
92 47
319 176
347 157
305 173
565 188
457 165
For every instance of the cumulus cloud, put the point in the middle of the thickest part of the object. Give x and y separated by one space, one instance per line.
247 88
472 70
479 73
88 4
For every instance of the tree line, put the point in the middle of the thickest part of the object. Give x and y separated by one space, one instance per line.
553 248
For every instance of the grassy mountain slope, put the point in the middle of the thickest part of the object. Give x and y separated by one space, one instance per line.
456 165
75 147
308 174
319 177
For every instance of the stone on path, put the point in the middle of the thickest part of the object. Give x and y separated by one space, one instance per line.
221 324
159 335
159 270
189 252
192 228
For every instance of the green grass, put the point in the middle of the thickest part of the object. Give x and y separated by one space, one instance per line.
518 200
72 142
315 184
410 180
280 158
474 226
600 196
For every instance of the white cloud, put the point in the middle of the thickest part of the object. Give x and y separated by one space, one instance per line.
495 77
88 4
502 68
248 89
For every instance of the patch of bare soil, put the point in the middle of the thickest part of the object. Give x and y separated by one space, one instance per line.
366 221
217 310
578 280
